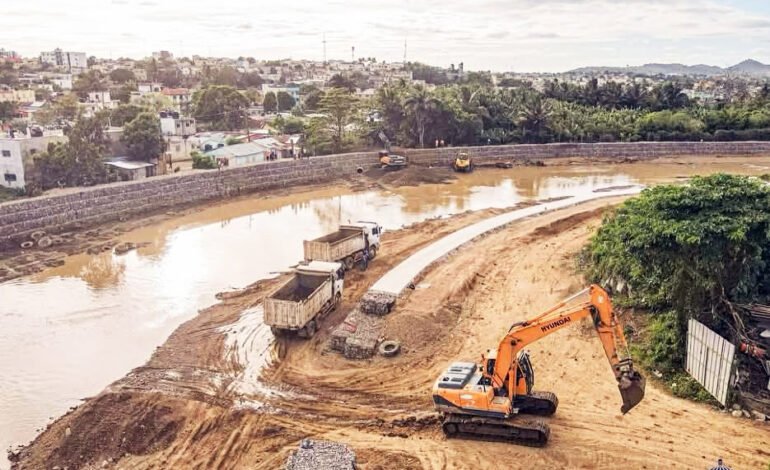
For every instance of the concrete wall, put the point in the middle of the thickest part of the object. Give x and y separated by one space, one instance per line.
89 206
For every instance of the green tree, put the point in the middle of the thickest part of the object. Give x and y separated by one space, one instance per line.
7 110
339 106
694 249
78 162
340 81
222 107
121 76
142 137
285 101
419 104
270 102
124 114
533 119
290 125
88 82
311 97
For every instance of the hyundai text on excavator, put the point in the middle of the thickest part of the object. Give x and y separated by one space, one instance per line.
480 400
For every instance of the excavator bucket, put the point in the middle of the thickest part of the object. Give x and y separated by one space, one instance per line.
631 388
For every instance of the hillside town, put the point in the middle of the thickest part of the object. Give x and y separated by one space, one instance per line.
129 119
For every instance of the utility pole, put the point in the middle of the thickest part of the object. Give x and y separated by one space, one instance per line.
324 42
353 53
404 51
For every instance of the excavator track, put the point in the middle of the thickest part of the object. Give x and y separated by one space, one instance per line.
536 403
525 433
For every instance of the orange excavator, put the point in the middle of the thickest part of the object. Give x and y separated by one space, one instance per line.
481 400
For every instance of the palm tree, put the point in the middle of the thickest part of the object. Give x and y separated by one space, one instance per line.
420 104
534 116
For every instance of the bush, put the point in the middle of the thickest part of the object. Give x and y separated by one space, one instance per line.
684 251
202 162
661 347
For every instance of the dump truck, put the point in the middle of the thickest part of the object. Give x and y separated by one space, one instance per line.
347 245
299 304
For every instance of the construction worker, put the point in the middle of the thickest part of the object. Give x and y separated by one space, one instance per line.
720 466
365 259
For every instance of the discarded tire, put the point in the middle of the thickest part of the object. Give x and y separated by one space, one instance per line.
359 170
27 244
37 235
44 242
389 348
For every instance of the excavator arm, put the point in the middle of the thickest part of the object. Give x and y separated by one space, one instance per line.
502 369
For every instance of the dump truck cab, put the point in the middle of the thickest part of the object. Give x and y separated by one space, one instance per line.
335 270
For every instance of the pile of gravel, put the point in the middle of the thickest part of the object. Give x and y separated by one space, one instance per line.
326 455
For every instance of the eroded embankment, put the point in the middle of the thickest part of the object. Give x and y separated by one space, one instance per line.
382 407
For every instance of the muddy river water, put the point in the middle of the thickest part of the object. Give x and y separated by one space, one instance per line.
69 331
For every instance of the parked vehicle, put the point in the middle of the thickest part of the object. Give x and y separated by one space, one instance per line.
347 245
300 303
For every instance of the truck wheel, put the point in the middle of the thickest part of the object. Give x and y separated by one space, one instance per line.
372 251
349 263
277 332
337 300
308 330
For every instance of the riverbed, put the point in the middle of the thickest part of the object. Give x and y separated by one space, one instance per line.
67 332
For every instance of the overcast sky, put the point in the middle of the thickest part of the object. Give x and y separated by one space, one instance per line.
519 35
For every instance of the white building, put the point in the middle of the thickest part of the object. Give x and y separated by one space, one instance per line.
98 101
171 123
181 97
145 88
17 153
75 62
62 80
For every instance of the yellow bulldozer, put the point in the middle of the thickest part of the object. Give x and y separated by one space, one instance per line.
463 163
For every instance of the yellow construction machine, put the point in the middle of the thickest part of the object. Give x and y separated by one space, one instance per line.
463 163
482 400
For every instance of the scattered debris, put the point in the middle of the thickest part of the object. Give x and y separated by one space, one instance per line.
316 454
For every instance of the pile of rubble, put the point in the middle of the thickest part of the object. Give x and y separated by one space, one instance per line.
357 336
327 455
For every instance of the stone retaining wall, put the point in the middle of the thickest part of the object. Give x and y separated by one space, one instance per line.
90 206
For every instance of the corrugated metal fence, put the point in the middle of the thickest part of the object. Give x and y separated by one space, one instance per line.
709 359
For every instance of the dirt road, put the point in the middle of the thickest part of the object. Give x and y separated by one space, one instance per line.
197 403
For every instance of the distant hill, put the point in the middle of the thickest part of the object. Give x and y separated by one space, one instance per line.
747 67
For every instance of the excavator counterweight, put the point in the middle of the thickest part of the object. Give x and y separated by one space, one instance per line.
481 400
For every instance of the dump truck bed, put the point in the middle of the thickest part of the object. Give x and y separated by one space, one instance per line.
335 246
298 300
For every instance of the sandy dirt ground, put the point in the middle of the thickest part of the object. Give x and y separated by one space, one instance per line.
200 403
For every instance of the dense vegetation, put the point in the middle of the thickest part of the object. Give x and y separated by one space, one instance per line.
474 113
686 251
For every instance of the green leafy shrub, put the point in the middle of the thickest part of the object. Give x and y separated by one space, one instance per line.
202 162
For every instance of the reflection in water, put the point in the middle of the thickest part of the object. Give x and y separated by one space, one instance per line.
104 270
69 331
